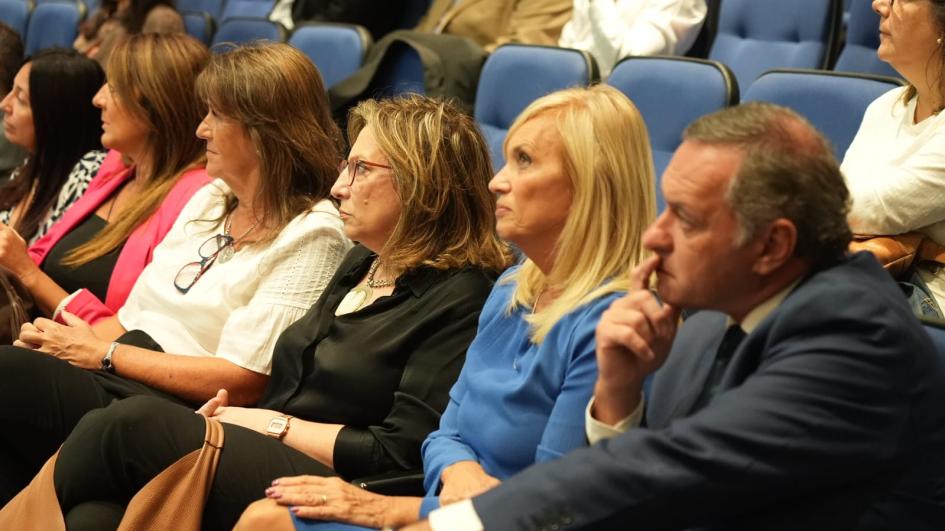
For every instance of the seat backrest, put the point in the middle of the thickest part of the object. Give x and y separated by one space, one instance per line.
213 7
670 93
401 71
516 75
336 49
199 25
834 102
241 30
53 24
859 49
246 9
758 35
15 13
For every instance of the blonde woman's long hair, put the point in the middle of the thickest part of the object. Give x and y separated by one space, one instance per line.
609 163
152 77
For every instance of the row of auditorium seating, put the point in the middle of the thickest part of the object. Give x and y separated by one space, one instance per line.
750 36
671 92
46 23
755 36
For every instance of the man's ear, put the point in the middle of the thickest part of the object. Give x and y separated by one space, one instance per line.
777 246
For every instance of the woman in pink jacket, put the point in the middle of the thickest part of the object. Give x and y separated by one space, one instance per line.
89 261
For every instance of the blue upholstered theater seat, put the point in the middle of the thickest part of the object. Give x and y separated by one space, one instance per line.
859 49
15 13
241 30
199 25
401 71
516 75
336 49
53 24
213 7
670 93
833 101
246 9
758 35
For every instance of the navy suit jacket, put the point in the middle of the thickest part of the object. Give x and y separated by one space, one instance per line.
831 417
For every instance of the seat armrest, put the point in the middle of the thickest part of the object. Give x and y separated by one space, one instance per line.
399 483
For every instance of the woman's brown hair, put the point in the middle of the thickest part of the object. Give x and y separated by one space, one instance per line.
441 172
276 93
152 77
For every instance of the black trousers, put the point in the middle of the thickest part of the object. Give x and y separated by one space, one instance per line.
42 398
115 451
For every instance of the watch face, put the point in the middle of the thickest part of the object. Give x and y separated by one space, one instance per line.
277 426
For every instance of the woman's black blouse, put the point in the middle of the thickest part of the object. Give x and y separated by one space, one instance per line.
384 371
93 276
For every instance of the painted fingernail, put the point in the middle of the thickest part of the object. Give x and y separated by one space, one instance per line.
269 491
295 510
275 482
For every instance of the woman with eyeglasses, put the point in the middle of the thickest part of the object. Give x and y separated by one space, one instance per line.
362 378
248 255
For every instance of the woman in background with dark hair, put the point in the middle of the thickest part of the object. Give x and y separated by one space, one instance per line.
11 57
88 262
116 18
49 113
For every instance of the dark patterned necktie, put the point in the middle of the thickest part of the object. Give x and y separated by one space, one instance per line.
733 337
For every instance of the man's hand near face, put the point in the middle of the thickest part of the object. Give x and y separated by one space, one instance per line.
633 338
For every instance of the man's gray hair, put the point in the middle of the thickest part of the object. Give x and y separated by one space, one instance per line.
788 170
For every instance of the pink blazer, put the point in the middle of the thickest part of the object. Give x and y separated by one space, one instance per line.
139 247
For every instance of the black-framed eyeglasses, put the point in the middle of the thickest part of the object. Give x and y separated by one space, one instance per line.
208 252
357 166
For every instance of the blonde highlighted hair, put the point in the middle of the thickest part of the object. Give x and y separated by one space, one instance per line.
610 166
441 170
152 77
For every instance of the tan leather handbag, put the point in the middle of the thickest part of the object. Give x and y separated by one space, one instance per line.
173 500
15 306
898 253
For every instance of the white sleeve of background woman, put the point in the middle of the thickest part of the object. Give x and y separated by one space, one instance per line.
895 169
613 29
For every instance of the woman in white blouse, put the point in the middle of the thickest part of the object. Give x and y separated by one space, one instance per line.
895 166
249 254
613 29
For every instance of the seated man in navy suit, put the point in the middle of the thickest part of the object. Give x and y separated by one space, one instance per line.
803 396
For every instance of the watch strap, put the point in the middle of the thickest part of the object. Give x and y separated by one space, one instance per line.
107 364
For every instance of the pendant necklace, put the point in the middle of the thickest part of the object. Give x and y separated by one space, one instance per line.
359 296
228 250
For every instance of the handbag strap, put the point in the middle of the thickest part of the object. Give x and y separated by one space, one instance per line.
175 498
